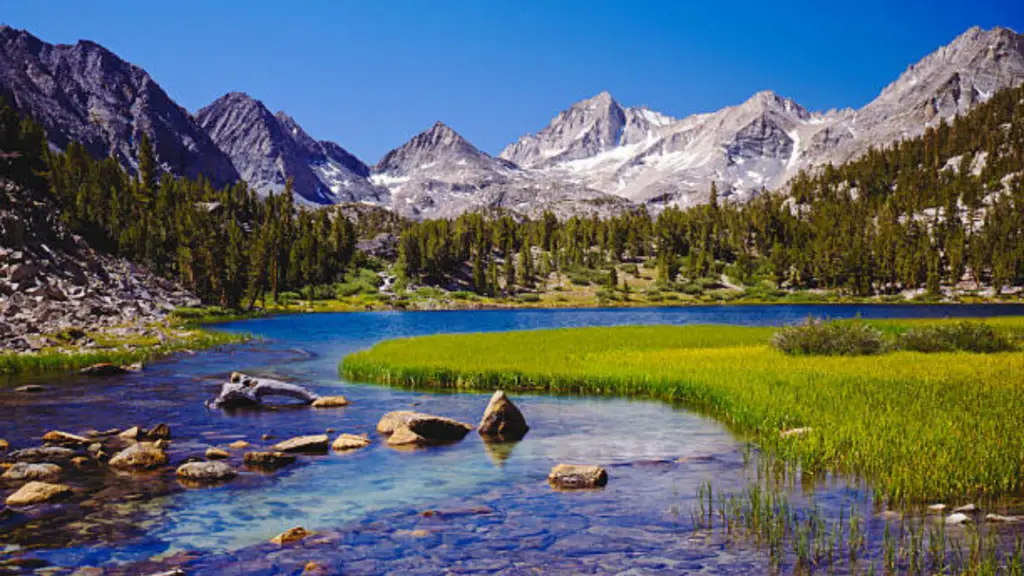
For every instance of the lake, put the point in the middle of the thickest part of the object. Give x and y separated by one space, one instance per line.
490 507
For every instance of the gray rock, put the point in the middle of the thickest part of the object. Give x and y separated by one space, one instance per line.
23 471
206 472
268 150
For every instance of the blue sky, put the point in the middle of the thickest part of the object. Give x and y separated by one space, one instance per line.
370 74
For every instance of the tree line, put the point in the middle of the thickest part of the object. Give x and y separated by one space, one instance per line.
230 247
937 210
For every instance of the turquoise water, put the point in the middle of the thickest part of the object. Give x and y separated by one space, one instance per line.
366 506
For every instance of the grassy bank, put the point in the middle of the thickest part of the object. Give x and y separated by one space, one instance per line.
919 427
115 349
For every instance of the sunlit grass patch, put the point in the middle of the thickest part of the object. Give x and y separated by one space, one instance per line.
943 426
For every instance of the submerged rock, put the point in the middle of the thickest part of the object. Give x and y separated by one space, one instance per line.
502 421
330 402
143 455
575 477
205 472
22 471
42 454
37 493
1004 519
292 535
104 369
957 518
217 454
239 445
64 438
316 444
347 442
267 460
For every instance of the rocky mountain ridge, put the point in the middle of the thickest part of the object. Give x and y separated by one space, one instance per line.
86 93
595 156
267 149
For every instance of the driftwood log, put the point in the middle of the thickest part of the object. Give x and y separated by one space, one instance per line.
243 390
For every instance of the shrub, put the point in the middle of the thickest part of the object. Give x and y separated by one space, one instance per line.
528 297
963 336
464 295
631 269
817 338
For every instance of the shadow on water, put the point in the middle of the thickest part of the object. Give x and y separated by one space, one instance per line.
367 507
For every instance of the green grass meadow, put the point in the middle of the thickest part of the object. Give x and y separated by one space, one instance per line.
920 427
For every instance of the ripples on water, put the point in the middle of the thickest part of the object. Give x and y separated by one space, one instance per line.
366 505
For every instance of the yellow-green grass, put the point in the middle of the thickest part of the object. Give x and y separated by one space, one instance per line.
142 349
919 427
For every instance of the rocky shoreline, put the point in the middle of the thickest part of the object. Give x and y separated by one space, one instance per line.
58 293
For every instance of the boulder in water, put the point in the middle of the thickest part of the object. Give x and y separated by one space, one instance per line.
502 421
268 460
330 402
205 472
347 442
65 439
576 477
315 444
421 429
24 471
37 493
141 456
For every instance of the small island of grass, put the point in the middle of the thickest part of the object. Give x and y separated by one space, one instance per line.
919 426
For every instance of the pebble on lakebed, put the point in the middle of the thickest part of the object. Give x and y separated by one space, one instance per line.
575 477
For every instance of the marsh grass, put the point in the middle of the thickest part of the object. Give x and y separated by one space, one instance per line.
47 362
806 538
918 427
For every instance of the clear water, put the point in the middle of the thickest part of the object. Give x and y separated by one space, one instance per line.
366 506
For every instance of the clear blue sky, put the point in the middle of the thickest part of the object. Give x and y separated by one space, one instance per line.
370 74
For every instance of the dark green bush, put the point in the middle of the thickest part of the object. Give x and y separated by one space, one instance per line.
961 336
817 338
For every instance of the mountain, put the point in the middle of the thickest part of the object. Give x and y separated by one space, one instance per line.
439 174
86 93
268 149
764 142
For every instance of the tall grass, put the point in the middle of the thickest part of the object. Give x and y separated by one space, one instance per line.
47 362
919 427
